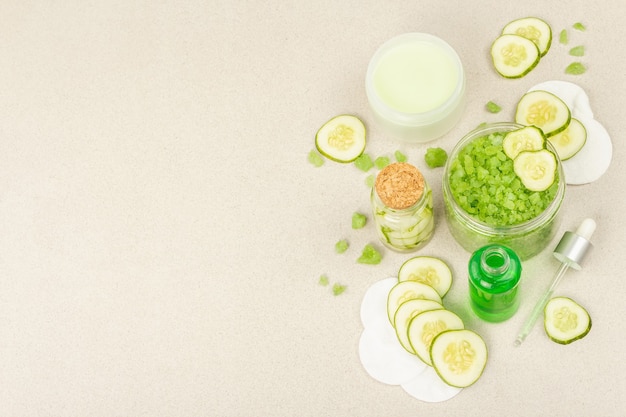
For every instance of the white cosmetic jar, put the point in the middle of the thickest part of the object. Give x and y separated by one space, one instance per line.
415 85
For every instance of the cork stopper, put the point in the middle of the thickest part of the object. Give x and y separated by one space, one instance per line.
399 185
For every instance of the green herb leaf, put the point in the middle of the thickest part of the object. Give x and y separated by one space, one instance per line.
563 37
381 162
315 159
435 157
579 26
370 256
492 107
323 280
370 180
577 51
338 289
400 157
364 162
358 220
575 68
341 246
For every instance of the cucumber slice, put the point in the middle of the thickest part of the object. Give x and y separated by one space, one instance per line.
534 29
529 138
544 110
404 315
570 141
429 270
565 321
514 56
424 327
459 357
536 169
408 290
341 139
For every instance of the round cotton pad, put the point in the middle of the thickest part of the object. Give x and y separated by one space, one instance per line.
428 386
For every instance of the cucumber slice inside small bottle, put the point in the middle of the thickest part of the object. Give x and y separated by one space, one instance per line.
565 321
459 357
341 139
514 56
571 140
529 138
429 270
404 315
534 29
536 169
544 110
425 327
408 290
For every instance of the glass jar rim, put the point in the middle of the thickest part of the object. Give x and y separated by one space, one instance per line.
414 119
481 227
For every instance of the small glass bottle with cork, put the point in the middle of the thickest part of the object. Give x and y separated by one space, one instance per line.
402 205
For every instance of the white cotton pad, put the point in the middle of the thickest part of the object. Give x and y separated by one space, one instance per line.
429 387
594 159
382 356
374 304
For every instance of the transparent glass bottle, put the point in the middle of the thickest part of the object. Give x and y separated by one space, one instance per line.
402 206
494 275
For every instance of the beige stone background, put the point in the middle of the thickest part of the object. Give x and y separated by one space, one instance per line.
162 234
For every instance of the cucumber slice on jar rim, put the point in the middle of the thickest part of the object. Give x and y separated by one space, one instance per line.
534 29
565 321
536 169
459 357
514 56
544 110
529 138
570 141
341 139
429 270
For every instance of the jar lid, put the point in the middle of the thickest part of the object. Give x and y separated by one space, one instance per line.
399 185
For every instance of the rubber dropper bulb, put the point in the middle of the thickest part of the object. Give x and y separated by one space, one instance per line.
574 246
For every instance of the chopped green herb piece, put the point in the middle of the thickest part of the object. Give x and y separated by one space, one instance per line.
436 157
315 159
575 68
323 280
341 246
493 107
338 289
563 37
370 256
577 51
358 220
381 162
579 26
400 157
370 180
364 162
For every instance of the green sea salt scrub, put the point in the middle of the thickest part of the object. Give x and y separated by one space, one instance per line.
487 202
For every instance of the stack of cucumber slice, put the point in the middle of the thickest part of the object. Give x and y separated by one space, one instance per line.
584 146
520 46
424 328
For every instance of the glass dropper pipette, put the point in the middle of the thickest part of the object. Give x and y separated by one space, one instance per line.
570 251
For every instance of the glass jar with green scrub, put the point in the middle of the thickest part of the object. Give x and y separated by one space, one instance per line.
415 85
485 202
494 275
402 206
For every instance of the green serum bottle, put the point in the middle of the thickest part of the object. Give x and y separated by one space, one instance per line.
494 274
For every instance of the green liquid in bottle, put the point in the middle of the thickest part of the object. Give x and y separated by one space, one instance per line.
494 274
